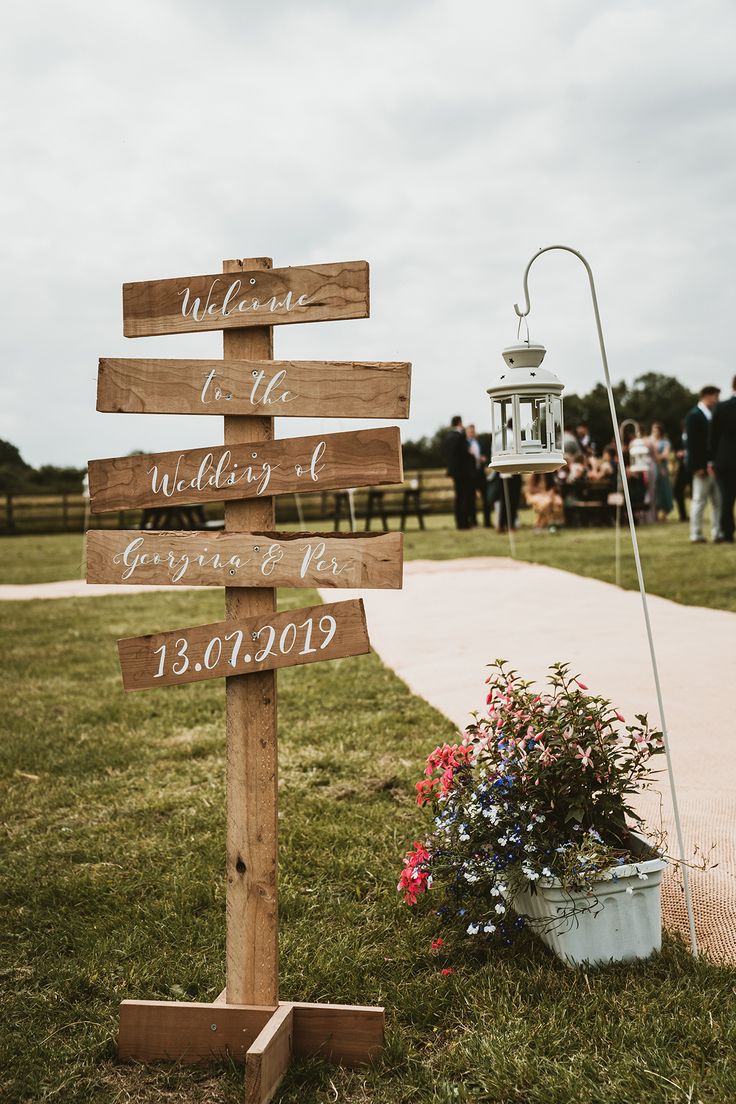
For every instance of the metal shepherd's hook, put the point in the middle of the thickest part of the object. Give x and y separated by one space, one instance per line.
637 559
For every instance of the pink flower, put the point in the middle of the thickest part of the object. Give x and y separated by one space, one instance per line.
581 684
415 876
426 789
447 971
545 755
437 943
584 756
445 759
620 717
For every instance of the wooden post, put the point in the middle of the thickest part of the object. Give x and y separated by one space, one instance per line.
252 812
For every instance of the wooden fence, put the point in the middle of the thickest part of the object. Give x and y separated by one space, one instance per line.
67 513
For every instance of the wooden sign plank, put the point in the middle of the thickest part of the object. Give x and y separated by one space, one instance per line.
361 458
243 646
280 388
353 560
251 297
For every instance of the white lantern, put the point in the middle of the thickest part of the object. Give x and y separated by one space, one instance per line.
639 456
526 414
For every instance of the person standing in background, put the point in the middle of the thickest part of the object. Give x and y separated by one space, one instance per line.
682 478
700 466
459 460
510 484
588 447
662 449
724 460
651 476
478 479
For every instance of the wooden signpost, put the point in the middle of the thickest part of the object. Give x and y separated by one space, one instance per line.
247 1021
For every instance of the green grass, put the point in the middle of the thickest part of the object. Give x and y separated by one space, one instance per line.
697 575
112 854
41 559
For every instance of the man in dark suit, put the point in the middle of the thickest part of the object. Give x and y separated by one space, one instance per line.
723 441
700 466
588 447
461 469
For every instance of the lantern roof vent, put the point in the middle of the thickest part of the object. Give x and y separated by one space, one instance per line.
524 355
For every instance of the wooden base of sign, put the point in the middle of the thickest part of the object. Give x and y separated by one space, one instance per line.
264 1038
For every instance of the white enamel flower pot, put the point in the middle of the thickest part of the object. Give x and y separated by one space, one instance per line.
620 922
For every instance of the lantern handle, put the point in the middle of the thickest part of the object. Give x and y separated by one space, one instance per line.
637 561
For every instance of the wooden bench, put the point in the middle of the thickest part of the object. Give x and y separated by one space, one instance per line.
174 517
587 504
376 506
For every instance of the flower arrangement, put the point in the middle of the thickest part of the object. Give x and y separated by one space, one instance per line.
540 788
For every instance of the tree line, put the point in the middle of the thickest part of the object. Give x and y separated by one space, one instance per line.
17 477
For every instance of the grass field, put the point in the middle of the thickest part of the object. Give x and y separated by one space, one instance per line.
700 575
113 857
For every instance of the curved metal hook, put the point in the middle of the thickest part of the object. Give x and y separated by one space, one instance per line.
627 422
546 249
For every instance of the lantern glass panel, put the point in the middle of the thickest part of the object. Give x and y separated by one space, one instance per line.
503 435
557 423
533 422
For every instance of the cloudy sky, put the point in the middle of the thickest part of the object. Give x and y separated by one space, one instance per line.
444 141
